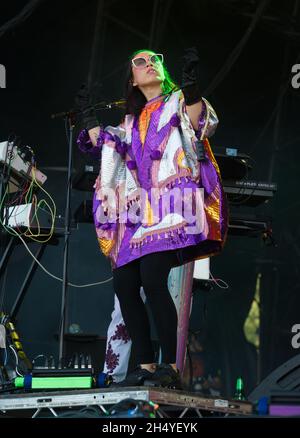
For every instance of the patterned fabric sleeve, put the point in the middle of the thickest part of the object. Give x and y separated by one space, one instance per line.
112 173
85 145
208 121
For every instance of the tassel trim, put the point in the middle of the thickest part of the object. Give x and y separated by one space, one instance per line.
174 232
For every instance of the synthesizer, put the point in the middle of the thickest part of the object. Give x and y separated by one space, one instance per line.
19 169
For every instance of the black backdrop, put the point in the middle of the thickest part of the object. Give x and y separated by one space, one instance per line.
48 56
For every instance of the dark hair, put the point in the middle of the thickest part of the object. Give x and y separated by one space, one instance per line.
135 100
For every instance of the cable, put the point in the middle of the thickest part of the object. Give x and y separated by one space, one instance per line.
86 412
36 206
30 198
35 236
5 356
37 357
218 282
20 193
17 361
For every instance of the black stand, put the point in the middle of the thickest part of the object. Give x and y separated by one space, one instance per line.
70 117
4 181
11 318
9 242
26 282
70 120
4 184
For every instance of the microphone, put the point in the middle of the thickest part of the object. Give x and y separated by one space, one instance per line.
26 153
200 150
108 105
103 105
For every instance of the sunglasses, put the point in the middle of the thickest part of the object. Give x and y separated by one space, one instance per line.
141 62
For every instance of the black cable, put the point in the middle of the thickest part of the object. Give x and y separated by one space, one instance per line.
86 412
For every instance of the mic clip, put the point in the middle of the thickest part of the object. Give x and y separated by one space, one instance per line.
200 150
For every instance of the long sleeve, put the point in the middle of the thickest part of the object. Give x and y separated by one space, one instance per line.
85 145
207 123
110 150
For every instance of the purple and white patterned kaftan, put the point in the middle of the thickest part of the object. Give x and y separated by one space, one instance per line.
147 193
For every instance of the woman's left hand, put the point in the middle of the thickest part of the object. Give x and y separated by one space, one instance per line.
190 71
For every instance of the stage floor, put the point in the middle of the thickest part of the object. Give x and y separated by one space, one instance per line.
176 404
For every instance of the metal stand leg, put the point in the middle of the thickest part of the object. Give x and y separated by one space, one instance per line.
26 282
7 253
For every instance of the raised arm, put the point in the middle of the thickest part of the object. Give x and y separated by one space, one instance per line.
89 138
87 112
94 135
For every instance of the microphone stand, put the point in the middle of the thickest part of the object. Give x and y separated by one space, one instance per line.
98 106
70 117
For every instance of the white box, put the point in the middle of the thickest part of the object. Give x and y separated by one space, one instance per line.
19 216
201 269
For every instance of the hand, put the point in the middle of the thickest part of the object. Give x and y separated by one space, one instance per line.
190 66
190 72
83 99
84 104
